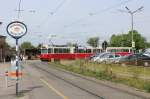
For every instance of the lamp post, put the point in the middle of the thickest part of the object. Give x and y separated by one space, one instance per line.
132 22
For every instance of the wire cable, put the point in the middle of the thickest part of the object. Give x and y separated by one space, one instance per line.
98 12
52 13
58 7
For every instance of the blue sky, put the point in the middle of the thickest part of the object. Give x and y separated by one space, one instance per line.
74 20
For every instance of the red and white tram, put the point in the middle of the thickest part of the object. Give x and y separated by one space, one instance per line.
120 50
58 53
61 53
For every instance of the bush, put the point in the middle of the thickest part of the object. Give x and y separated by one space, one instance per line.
147 87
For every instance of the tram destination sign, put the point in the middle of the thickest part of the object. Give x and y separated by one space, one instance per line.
16 29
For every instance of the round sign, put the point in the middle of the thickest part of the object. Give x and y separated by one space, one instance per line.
16 29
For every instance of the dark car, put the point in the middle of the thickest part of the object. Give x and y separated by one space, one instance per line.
136 59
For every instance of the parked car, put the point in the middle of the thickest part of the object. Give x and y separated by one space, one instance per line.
109 58
93 56
136 59
99 56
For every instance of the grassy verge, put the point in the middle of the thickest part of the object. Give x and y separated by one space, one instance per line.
109 72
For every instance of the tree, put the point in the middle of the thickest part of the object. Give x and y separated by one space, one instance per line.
27 45
93 41
125 40
120 41
39 46
139 40
147 45
7 46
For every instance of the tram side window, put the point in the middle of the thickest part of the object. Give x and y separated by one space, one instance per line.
44 51
96 51
66 50
56 50
61 50
80 50
89 51
113 50
125 50
49 50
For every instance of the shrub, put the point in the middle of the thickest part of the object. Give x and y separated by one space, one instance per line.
147 87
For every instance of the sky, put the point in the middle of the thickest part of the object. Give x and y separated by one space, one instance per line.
62 21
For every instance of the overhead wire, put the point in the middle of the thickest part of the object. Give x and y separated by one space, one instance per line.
98 12
52 13
58 7
113 6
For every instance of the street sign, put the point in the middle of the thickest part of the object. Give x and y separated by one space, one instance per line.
16 29
133 44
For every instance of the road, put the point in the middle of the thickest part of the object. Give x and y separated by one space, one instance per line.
48 82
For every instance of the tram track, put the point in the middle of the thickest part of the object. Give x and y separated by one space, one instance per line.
83 89
77 75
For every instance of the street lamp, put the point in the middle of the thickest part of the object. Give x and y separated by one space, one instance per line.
132 22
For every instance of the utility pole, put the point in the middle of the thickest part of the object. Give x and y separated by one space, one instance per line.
132 22
19 9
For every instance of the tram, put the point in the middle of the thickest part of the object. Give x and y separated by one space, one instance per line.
50 53
59 53
123 51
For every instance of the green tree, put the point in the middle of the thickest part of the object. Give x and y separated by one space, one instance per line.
7 46
93 41
120 41
27 45
39 46
124 40
139 40
147 45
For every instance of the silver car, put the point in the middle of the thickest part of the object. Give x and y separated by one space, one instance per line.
109 58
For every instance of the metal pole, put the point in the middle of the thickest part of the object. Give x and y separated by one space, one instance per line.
19 9
17 67
1 57
132 26
132 32
6 79
132 23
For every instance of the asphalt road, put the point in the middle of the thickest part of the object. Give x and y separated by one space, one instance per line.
51 83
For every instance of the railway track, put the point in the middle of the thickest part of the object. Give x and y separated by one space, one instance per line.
100 97
75 85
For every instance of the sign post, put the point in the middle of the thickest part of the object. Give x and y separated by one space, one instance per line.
17 30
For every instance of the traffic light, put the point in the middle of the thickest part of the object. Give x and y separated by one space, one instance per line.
104 45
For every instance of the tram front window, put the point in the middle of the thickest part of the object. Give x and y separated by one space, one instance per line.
44 51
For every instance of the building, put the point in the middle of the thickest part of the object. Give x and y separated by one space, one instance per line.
2 47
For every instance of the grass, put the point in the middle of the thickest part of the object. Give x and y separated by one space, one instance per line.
128 75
